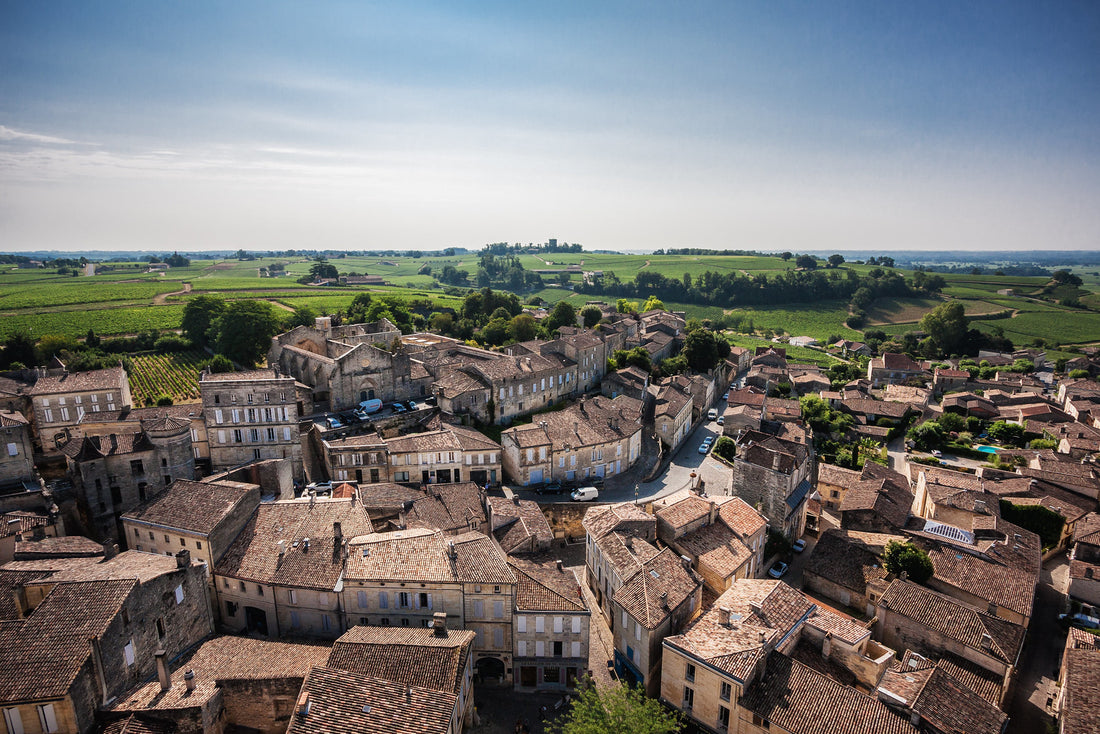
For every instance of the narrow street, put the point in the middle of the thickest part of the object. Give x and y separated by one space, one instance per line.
1036 688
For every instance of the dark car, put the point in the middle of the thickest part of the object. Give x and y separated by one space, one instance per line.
551 488
430 400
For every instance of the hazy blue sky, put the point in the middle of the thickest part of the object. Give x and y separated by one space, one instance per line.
767 125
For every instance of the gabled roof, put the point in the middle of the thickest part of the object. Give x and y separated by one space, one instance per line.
955 620
641 594
541 587
195 506
113 378
410 656
318 564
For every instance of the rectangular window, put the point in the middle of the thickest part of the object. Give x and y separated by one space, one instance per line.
13 720
723 718
179 594
295 620
498 637
404 600
293 596
231 608
13 450
557 625
521 624
498 610
47 718
540 648
557 648
540 624
326 622
626 624
576 625
128 652
479 608
286 434
689 673
637 631
383 600
522 649
689 698
576 649
362 595
725 691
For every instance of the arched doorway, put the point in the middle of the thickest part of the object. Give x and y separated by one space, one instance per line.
490 670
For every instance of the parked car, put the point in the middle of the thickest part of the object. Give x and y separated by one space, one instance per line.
411 405
585 494
398 408
778 570
350 418
721 420
937 453
550 488
726 396
712 414
798 546
430 400
370 406
705 446
334 422
319 486
1080 620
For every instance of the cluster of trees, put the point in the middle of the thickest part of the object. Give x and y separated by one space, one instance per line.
506 272
907 558
319 270
240 330
20 350
175 260
790 286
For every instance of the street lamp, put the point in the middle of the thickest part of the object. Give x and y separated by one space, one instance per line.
635 493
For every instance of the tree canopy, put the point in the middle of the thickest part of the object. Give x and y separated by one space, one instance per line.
616 710
907 558
244 330
564 314
199 315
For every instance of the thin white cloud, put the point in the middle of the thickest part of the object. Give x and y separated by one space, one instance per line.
8 134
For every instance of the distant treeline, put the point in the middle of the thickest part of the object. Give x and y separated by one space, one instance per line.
704 251
790 286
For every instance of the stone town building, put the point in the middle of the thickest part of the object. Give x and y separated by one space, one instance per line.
16 451
449 454
403 578
438 658
630 381
671 414
727 670
846 566
345 365
723 537
911 617
453 509
251 416
114 473
833 482
283 573
203 517
895 369
1084 562
519 526
86 631
338 700
658 599
60 402
105 423
20 526
616 537
551 626
773 475
596 437
879 502
228 680
1078 704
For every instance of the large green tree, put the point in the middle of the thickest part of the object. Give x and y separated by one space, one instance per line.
245 329
591 316
201 313
616 710
946 326
900 557
704 349
564 314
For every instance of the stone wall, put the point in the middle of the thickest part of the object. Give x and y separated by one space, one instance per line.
261 705
565 519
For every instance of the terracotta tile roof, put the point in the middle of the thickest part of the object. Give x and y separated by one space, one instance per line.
452 508
882 490
845 561
1081 692
254 555
840 627
407 555
128 565
836 476
1087 529
9 419
986 684
997 582
640 594
42 655
457 382
10 581
736 647
686 511
599 521
801 700
541 587
864 406
716 548
340 702
741 518
591 422
19 522
245 375
955 620
228 657
410 656
134 724
952 708
626 552
478 560
519 527
671 400
90 448
65 546
449 438
112 378
195 506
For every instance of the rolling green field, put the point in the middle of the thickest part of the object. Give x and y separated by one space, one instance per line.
128 299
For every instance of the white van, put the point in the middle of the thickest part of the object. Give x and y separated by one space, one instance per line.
585 494
712 414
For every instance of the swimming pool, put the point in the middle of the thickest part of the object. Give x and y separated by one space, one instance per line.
987 449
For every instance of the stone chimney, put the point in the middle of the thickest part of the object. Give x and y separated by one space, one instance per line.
515 499
305 545
439 624
827 644
724 616
664 600
713 513
686 562
162 670
110 549
183 558
452 553
337 532
189 680
561 567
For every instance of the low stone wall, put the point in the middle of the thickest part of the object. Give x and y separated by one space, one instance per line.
565 519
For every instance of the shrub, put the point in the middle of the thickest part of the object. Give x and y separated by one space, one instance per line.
908 558
725 447
172 343
1045 523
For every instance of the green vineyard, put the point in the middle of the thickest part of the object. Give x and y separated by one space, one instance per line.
175 375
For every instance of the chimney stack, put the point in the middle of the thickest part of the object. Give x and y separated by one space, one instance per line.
162 670
664 600
282 549
337 531
561 567
451 551
183 558
713 513
305 545
189 680
724 616
439 623
110 549
686 561
515 499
